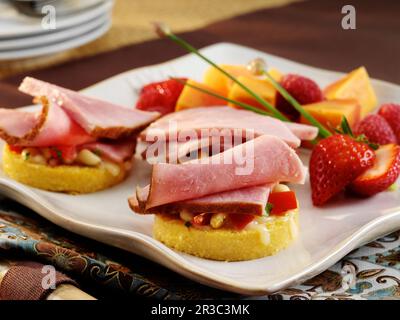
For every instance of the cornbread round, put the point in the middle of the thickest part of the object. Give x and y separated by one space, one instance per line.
223 244
62 178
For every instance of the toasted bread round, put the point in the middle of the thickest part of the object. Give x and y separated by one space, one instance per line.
227 245
62 178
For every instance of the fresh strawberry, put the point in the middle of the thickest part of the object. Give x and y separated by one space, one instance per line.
160 96
303 89
376 129
335 162
382 175
391 112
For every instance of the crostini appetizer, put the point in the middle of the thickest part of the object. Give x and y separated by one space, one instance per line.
205 208
75 144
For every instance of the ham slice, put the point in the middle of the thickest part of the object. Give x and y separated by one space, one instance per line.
303 131
222 118
117 151
100 119
251 200
193 121
50 127
266 159
180 152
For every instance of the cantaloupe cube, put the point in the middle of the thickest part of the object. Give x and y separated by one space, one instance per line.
221 83
275 74
192 98
330 112
355 85
262 87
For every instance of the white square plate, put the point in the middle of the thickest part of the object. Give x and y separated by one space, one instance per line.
326 234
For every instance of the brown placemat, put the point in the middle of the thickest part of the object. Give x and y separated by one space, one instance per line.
308 32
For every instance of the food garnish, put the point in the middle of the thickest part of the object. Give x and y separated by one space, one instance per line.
163 31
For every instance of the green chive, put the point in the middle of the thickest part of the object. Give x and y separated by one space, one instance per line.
163 30
322 130
268 208
211 93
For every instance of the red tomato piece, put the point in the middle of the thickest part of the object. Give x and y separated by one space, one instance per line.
282 202
239 221
66 153
16 149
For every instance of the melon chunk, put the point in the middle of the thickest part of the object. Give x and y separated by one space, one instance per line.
331 112
262 87
355 85
192 98
216 80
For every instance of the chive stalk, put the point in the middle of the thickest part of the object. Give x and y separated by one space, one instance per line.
216 95
163 31
258 68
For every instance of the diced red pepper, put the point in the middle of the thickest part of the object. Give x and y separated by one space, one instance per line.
202 219
282 202
239 221
63 152
16 149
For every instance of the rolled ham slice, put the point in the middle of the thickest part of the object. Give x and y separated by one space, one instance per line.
180 152
49 127
251 200
266 159
195 120
302 131
100 119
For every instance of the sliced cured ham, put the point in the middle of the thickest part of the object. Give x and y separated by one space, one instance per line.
117 151
187 122
220 120
266 159
100 119
180 152
303 131
251 200
49 127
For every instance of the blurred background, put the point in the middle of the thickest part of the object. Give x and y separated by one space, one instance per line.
87 27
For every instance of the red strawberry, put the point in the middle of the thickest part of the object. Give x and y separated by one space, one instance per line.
391 112
160 96
376 129
382 175
335 162
304 90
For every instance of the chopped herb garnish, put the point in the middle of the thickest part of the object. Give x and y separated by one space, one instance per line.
188 224
57 152
393 187
97 152
268 208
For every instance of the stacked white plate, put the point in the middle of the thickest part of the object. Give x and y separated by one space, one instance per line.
23 36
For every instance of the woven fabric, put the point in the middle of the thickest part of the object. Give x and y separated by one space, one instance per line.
25 281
